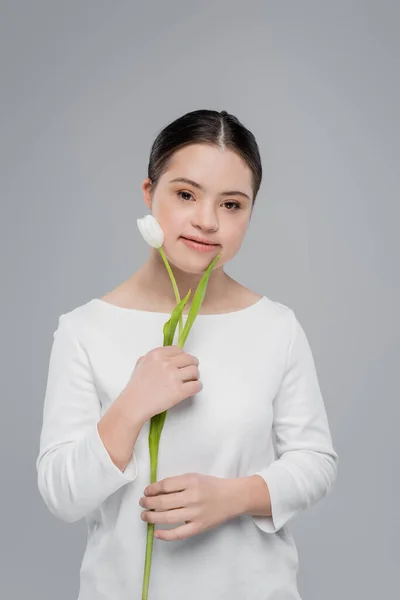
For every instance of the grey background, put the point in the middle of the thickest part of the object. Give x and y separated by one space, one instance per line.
85 87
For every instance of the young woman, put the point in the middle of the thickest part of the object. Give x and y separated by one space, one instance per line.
225 492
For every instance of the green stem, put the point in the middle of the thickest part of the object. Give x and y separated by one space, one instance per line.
156 423
149 551
154 440
176 291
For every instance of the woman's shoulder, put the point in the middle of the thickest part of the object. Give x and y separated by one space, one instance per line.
274 308
77 320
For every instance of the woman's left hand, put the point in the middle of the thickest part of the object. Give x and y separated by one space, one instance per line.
201 501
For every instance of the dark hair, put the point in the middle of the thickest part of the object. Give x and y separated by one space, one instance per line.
205 127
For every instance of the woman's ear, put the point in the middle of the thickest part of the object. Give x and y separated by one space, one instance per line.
147 187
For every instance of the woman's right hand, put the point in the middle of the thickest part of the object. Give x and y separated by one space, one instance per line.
162 378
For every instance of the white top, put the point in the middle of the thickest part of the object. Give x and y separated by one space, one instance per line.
258 377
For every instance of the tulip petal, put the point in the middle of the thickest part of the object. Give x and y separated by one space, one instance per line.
151 230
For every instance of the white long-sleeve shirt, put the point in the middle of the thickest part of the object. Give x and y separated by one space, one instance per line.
258 377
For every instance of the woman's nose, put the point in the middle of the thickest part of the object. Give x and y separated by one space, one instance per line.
206 219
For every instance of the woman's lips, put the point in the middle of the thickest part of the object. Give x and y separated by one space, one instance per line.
199 246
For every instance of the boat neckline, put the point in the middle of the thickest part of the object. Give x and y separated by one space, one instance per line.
138 311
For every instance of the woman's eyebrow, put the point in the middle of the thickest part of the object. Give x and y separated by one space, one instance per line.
200 187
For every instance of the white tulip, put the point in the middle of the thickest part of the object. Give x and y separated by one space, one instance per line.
151 231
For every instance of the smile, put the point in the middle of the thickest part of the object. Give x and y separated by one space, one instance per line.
199 245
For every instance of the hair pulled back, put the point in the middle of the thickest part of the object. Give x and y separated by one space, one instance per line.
205 126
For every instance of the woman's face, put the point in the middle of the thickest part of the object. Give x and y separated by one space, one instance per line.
202 208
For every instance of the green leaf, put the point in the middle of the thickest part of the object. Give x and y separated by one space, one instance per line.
170 325
197 302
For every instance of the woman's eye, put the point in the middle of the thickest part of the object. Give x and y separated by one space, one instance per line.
187 193
235 204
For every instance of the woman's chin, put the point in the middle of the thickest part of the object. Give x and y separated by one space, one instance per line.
191 265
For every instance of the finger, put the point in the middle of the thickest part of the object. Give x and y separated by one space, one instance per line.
184 360
164 501
178 533
178 483
165 516
189 373
192 387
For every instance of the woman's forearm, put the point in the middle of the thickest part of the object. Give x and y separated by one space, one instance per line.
250 495
119 430
77 473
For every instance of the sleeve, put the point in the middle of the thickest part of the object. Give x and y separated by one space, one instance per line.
75 472
306 464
